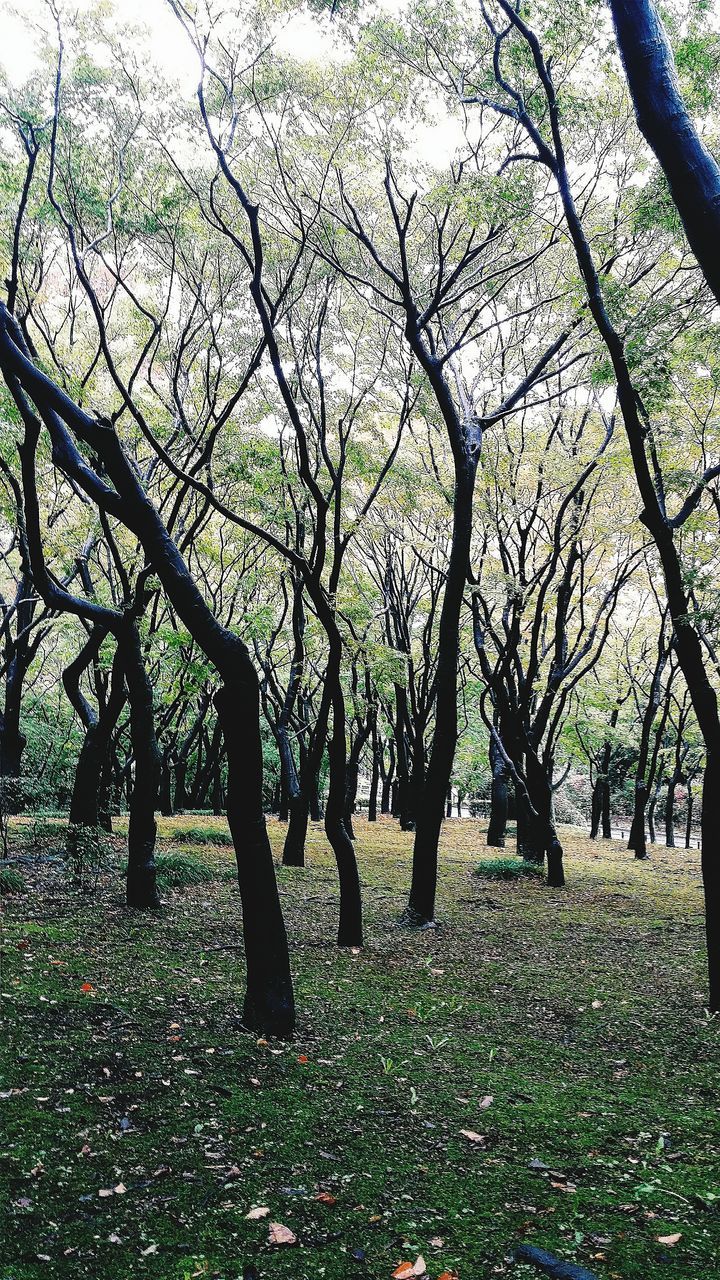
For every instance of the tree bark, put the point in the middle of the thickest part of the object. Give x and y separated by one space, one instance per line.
498 798
269 1006
142 893
692 172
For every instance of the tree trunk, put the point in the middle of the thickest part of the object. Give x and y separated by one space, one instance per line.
374 782
142 891
498 798
269 1006
689 816
637 826
710 865
421 905
692 172
166 797
670 812
299 813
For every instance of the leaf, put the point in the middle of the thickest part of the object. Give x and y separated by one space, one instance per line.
597 1004
673 1239
303 1059
449 1275
152 1248
326 1198
261 1211
87 986
279 1234
409 1270
120 1189
472 1136
486 1102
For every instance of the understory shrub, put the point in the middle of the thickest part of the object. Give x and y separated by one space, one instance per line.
507 869
178 871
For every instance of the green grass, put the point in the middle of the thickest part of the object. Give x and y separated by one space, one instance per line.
178 871
507 869
11 880
579 1011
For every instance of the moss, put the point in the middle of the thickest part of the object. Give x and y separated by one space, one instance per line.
579 1012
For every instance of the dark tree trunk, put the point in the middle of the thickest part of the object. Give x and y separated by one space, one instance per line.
448 804
142 891
421 906
166 796
637 827
181 795
710 865
374 782
269 1006
692 172
12 741
386 795
670 812
606 824
596 805
689 816
294 847
498 798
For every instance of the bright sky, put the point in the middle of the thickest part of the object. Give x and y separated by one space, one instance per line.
304 36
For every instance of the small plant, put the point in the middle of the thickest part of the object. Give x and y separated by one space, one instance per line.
201 835
178 871
87 851
390 1067
11 881
508 869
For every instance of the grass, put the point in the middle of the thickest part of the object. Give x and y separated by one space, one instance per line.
507 869
578 1011
11 880
180 871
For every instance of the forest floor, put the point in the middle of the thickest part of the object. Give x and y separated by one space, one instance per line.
539 1068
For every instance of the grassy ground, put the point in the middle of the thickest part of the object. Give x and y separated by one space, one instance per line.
140 1124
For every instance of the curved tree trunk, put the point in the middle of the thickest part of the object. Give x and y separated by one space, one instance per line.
142 893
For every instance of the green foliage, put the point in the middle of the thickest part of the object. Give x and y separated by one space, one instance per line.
11 880
87 854
181 871
507 869
213 833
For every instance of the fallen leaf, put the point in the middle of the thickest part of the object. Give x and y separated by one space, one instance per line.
86 986
670 1239
437 1242
597 1004
472 1136
120 1189
486 1102
261 1211
279 1234
410 1270
326 1198
152 1248
303 1059
449 1275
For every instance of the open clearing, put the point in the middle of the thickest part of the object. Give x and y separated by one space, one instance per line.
141 1123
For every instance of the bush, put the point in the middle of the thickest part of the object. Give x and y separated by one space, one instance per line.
508 869
178 871
87 851
11 881
201 835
